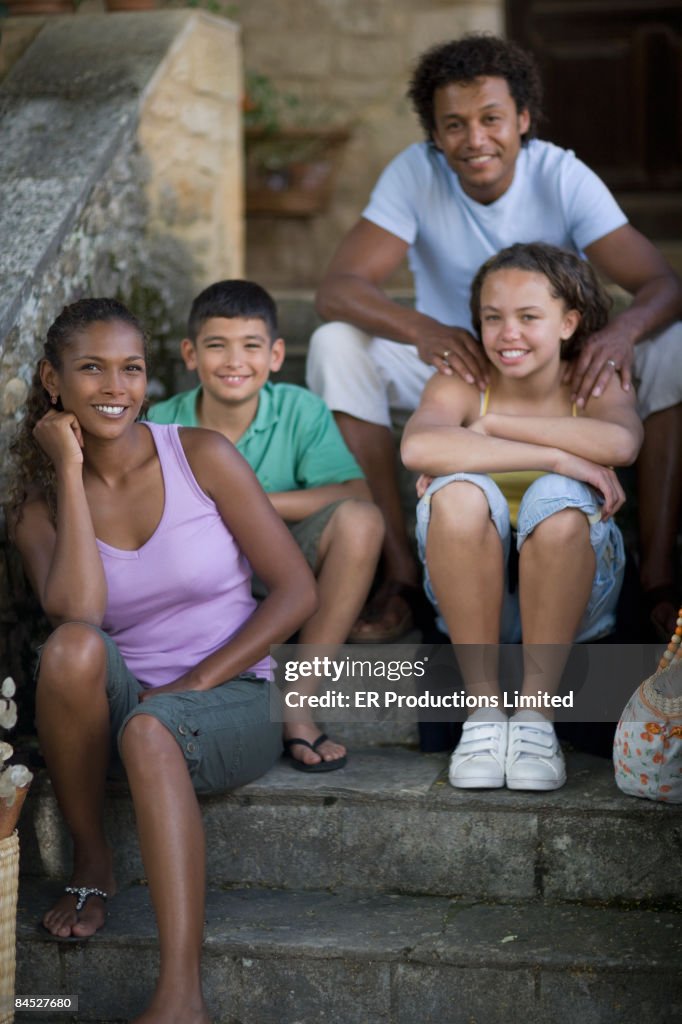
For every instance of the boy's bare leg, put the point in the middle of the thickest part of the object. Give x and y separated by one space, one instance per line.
72 716
374 448
172 843
348 554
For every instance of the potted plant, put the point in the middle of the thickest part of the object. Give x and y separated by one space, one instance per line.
14 778
291 152
14 782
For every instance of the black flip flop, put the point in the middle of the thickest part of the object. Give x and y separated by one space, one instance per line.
321 766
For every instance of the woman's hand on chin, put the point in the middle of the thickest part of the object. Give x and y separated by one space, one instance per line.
59 435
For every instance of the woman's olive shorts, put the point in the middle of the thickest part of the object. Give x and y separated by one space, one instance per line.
226 734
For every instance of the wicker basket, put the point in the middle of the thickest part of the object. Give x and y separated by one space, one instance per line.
9 885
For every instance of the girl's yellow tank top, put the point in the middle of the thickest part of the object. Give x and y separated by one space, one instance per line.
515 483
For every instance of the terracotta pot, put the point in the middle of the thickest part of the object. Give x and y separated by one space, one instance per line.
42 7
130 5
291 172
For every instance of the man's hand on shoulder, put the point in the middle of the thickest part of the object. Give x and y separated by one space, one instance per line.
607 352
452 350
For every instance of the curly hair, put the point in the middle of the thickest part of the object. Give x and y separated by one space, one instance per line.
477 56
570 278
30 466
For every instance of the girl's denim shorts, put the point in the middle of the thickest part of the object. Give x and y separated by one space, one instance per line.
547 495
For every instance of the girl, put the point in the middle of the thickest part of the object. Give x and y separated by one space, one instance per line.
520 462
134 537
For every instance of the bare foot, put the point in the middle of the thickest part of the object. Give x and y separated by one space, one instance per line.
178 1010
64 921
329 750
662 603
664 619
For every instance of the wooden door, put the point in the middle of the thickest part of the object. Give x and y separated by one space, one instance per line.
612 72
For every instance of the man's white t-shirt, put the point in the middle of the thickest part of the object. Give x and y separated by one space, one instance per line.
553 198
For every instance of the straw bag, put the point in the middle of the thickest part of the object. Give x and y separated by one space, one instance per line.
647 749
9 884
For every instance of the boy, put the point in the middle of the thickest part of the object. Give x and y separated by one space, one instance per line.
289 438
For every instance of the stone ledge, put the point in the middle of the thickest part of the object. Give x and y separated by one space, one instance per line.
288 957
65 108
364 828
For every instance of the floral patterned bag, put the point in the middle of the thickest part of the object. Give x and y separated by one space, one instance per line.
647 749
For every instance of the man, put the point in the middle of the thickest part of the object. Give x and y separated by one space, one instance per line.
481 182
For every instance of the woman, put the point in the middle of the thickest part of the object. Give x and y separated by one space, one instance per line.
136 538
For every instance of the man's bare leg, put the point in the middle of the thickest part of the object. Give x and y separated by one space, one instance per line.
659 490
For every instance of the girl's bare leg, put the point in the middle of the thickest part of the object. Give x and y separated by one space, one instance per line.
465 560
349 551
464 555
72 716
556 572
172 843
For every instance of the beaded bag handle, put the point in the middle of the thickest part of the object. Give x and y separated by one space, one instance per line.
674 649
662 691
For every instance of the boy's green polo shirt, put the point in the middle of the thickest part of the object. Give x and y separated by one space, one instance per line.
291 444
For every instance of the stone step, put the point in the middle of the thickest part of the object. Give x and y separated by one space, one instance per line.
273 957
391 823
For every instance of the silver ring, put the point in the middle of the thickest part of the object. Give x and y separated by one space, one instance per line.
611 362
446 354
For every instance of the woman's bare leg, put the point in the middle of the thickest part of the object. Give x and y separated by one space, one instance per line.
171 833
72 716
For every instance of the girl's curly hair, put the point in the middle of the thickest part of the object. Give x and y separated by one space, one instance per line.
477 56
31 469
570 278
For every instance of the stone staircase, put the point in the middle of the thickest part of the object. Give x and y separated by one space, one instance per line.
380 895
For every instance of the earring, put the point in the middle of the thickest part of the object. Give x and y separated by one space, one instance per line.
53 399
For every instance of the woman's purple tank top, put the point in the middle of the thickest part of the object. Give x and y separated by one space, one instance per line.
184 593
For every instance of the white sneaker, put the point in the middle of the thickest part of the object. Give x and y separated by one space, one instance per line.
534 757
478 759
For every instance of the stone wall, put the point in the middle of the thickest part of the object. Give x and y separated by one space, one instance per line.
120 173
353 57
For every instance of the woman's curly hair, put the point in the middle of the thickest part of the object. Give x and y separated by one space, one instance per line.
477 56
570 278
31 469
